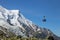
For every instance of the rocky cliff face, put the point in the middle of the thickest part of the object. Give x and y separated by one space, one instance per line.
13 21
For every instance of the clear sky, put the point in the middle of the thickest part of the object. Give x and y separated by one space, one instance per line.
34 10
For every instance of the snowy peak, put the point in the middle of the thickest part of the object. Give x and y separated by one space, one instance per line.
15 18
15 22
15 11
8 12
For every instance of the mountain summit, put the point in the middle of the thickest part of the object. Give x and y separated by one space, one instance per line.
13 21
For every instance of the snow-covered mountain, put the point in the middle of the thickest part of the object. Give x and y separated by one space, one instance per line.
13 21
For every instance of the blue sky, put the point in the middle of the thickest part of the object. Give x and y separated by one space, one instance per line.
34 10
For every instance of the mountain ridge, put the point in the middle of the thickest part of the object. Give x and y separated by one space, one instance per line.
16 23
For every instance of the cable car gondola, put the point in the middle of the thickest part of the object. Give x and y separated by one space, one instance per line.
44 19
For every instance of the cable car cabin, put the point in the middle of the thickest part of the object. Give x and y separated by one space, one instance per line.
44 20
